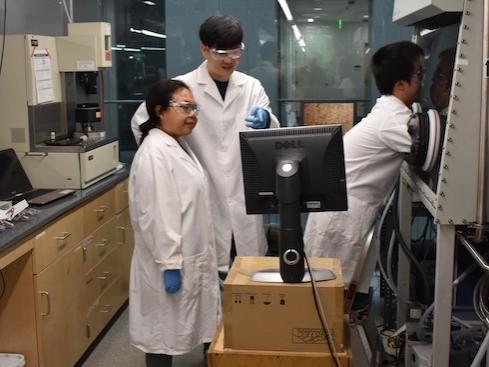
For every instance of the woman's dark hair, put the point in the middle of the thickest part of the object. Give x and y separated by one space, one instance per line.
159 94
393 63
221 31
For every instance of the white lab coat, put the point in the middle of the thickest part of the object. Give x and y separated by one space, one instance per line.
374 151
170 214
215 141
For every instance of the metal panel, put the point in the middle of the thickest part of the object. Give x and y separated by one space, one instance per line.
414 11
459 168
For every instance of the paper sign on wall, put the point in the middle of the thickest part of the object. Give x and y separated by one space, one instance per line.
41 65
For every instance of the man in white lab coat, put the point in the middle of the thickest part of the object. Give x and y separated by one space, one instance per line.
374 150
226 98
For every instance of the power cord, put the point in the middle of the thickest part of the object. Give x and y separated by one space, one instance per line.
322 318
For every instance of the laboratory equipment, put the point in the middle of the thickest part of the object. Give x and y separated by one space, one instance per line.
51 92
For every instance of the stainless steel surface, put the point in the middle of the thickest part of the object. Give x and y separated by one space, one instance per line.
445 253
481 190
475 254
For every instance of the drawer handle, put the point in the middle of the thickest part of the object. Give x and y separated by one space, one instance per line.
101 209
123 229
48 312
107 309
64 236
107 275
103 243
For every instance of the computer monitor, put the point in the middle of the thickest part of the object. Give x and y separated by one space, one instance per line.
289 171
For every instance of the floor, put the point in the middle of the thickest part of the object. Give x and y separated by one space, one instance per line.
115 349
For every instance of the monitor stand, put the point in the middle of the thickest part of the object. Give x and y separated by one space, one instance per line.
273 276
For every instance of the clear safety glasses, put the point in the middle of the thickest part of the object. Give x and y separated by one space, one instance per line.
186 107
234 53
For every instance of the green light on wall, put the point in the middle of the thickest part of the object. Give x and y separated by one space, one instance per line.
340 23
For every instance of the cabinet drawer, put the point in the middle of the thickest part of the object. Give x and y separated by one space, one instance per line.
101 311
98 211
121 198
56 239
125 240
100 278
98 245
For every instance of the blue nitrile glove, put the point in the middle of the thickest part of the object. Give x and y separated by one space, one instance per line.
259 118
172 279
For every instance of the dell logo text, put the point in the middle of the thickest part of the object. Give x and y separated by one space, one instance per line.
292 144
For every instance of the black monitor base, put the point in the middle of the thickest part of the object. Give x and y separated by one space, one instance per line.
273 276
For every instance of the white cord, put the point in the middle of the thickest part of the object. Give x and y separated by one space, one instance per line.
67 12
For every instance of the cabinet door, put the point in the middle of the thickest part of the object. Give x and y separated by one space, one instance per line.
60 329
121 198
125 240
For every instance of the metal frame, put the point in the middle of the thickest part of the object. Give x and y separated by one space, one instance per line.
461 195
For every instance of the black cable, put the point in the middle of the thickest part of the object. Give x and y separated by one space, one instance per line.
316 304
2 279
3 34
405 248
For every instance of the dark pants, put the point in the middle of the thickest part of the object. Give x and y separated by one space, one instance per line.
164 360
158 360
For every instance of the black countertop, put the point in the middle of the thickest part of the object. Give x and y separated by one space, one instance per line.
49 212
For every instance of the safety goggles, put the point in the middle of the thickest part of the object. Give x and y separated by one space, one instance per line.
186 107
234 53
419 75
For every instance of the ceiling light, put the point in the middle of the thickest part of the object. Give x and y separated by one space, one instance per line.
285 8
153 48
365 16
149 2
147 33
297 33
317 9
310 20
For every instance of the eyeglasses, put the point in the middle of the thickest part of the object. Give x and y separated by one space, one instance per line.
186 107
419 75
234 53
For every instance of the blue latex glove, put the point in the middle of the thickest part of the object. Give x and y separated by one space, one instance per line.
259 118
172 279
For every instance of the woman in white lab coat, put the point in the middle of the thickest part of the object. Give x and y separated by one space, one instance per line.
174 299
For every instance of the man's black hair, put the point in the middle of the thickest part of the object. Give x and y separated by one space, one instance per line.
394 62
221 32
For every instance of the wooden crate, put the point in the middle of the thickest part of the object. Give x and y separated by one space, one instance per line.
218 356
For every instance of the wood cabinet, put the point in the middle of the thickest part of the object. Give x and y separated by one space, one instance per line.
81 272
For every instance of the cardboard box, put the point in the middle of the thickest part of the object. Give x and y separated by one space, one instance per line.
218 356
280 316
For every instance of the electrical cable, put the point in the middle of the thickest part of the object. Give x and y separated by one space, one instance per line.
427 298
322 318
457 281
4 31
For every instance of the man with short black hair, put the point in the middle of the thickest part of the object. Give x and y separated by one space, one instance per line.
374 151
230 102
